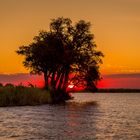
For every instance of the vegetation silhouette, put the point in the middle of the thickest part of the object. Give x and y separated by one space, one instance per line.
11 95
66 54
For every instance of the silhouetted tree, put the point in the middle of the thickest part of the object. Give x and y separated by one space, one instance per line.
1 85
9 85
65 55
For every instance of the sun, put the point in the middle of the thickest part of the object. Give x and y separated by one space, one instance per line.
70 86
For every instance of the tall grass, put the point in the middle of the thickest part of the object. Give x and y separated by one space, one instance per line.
20 95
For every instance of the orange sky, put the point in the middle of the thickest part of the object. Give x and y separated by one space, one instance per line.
115 23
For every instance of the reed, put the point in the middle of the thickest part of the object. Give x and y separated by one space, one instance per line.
11 95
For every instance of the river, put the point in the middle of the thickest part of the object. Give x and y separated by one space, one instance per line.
111 116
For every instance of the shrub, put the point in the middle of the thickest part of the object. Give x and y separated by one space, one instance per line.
9 85
20 95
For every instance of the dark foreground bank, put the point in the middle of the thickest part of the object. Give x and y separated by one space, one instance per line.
20 95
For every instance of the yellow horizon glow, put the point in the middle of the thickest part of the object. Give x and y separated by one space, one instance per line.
115 24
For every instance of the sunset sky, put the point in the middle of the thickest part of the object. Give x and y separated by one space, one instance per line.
115 24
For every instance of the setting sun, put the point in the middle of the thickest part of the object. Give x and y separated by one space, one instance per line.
70 86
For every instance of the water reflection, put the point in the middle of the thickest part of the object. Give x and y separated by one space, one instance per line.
79 116
89 117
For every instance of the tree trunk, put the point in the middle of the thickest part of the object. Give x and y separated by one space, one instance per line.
61 81
57 78
52 83
46 80
66 80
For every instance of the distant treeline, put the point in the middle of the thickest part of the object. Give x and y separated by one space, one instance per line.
111 90
120 90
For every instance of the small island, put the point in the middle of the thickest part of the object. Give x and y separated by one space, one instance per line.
65 55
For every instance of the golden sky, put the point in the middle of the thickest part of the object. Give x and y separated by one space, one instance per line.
115 24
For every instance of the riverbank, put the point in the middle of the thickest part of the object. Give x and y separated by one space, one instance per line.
22 96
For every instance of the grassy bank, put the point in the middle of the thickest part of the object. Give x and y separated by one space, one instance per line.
20 95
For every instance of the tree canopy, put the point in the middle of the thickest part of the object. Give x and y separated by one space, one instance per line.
66 54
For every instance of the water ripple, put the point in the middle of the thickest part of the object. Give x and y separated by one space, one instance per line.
112 116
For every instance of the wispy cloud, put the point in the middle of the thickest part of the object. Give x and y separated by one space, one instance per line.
21 78
120 81
122 75
108 81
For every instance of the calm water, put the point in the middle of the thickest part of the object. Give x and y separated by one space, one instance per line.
112 117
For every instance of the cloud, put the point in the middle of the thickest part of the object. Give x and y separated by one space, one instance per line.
108 81
120 81
129 75
21 78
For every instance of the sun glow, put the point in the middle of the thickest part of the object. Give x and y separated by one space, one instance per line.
70 86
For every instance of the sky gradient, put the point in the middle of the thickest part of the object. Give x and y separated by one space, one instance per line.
109 81
115 24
